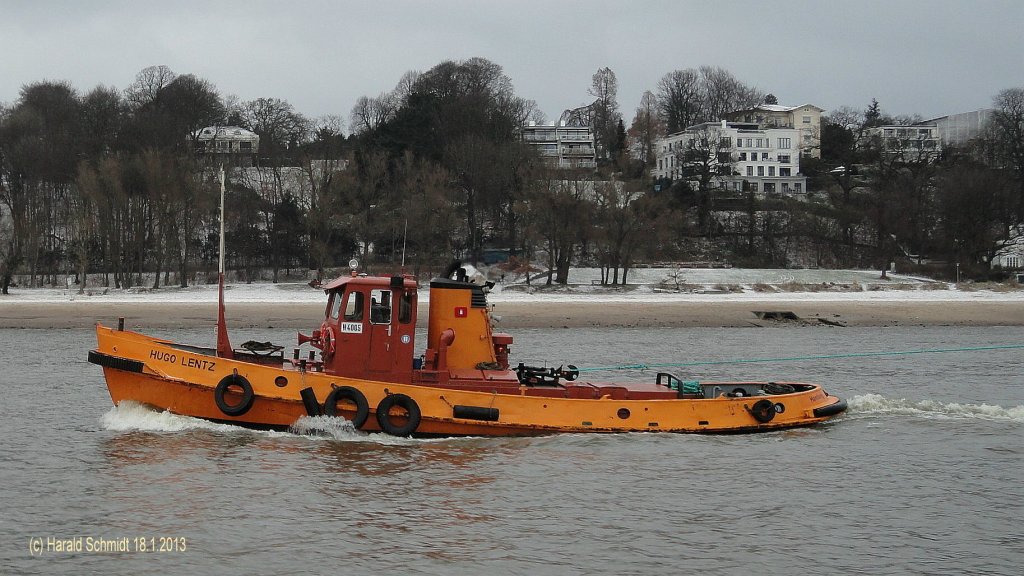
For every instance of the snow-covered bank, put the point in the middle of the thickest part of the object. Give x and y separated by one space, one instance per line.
733 287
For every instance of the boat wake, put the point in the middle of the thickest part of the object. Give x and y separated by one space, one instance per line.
131 416
878 404
326 427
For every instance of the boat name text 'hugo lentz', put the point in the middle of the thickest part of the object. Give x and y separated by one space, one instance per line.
186 361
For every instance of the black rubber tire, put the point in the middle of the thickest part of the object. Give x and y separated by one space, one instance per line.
247 395
763 411
357 398
309 402
402 401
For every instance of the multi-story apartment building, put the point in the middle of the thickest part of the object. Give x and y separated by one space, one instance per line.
745 156
229 145
563 146
805 118
913 143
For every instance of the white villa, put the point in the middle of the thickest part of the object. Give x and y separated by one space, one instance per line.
805 118
763 160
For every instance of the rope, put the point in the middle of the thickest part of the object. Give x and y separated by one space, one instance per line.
799 358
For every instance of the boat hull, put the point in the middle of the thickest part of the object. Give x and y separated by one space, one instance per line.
184 380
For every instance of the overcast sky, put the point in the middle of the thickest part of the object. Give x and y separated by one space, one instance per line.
926 57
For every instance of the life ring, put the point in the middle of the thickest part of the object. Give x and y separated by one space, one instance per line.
327 341
763 411
243 405
353 395
402 401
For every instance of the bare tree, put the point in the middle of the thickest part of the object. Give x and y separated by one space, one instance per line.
561 212
148 84
369 113
278 125
1008 123
705 159
604 89
680 100
405 86
690 97
724 93
645 129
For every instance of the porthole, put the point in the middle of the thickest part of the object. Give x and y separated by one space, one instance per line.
623 413
280 381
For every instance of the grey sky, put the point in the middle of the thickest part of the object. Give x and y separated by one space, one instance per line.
931 58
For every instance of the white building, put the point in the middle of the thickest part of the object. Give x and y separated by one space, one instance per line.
958 129
230 145
759 160
1011 255
914 143
563 146
805 118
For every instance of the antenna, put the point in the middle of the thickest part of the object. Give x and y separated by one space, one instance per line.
224 349
405 234
220 268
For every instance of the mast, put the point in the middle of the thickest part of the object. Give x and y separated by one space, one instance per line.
223 343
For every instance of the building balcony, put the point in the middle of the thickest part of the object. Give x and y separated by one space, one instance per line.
578 152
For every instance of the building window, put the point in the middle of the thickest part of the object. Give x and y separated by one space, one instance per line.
753 186
769 187
759 142
764 156
760 170
785 143
1012 262
771 170
743 156
750 170
784 172
785 187
797 187
750 142
784 158
807 119
725 142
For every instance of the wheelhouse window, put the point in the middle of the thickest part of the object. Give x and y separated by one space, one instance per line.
405 307
335 305
380 306
354 307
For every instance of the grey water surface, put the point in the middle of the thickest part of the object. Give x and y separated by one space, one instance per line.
923 475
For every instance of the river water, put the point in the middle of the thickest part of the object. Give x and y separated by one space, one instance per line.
921 476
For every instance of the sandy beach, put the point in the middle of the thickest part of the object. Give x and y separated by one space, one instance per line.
537 314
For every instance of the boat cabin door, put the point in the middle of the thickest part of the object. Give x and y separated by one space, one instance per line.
377 333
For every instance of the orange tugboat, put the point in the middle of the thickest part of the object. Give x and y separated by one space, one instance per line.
365 369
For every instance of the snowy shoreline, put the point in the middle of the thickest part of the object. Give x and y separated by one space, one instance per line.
298 306
301 293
